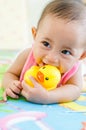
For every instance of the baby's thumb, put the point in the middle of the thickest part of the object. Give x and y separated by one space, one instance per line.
35 82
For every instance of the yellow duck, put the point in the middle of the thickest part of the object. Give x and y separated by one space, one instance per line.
48 76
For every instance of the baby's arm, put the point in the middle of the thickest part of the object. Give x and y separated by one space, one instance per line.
10 80
68 92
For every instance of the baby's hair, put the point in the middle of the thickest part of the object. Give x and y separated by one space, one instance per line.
69 10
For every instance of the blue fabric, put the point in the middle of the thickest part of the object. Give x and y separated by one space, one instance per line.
23 115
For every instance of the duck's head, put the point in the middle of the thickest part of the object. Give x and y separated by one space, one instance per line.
31 72
49 76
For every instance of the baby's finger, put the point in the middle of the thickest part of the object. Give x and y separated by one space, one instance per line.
34 81
5 96
25 94
25 86
18 84
15 90
10 93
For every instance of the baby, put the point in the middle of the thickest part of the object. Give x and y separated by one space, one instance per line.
59 40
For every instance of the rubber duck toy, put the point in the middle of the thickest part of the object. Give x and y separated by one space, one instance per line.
48 76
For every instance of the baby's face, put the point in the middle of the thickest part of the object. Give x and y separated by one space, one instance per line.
58 43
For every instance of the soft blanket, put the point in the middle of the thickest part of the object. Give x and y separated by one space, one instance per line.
22 115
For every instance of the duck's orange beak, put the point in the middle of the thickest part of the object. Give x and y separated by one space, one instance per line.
40 76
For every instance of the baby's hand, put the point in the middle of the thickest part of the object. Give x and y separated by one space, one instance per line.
13 90
38 94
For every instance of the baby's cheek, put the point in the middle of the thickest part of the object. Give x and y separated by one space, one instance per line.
62 69
67 66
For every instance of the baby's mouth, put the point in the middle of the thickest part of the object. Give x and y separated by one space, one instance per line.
41 64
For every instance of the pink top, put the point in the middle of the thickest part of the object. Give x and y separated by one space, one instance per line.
31 61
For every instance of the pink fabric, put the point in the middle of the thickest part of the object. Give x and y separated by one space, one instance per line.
69 74
31 61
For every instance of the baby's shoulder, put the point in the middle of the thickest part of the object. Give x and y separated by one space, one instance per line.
25 52
23 55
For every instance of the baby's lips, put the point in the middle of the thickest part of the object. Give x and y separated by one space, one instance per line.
40 76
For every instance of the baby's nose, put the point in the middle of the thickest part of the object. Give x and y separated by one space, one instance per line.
52 59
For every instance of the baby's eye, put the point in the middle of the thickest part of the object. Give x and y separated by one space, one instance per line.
67 52
46 44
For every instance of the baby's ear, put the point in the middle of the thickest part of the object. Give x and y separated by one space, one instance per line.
83 55
34 30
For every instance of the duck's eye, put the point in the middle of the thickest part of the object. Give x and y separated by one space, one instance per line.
46 78
43 67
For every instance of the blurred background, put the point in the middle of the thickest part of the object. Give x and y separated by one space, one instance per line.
16 20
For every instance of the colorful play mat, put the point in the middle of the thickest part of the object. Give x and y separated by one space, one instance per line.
22 115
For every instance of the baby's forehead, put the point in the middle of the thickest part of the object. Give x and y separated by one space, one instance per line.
52 17
64 25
